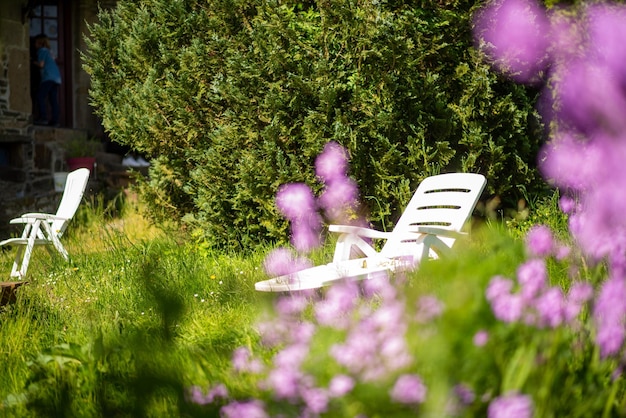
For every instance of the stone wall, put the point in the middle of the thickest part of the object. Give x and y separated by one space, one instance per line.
15 102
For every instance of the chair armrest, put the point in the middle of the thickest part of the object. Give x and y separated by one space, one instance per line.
360 231
30 217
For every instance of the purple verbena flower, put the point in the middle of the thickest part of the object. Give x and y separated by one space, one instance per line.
609 315
244 362
197 396
316 400
567 204
498 286
550 307
579 294
511 405
248 409
409 389
338 198
332 163
588 106
532 277
284 383
291 304
281 262
513 34
334 310
539 241
340 385
481 338
295 201
305 233
464 393
428 308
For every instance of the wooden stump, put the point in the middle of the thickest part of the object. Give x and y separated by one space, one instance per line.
7 292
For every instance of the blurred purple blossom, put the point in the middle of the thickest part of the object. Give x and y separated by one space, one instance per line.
197 396
332 163
579 294
338 197
316 400
292 356
243 361
305 232
539 241
588 105
532 277
291 304
409 389
480 338
607 33
511 405
464 393
513 34
249 409
572 163
505 305
428 308
284 383
550 306
340 192
609 315
375 345
567 204
335 308
340 385
295 201
282 261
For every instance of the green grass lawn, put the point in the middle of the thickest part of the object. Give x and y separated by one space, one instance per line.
128 280
142 314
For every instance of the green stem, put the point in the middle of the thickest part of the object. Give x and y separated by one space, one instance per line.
611 399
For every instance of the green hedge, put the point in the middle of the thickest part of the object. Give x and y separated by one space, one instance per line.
233 98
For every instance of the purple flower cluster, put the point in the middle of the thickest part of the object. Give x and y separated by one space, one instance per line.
197 396
512 33
409 389
536 303
297 203
340 195
610 315
531 300
282 261
512 405
375 345
374 323
580 52
248 409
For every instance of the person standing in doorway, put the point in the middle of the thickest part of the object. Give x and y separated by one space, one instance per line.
50 82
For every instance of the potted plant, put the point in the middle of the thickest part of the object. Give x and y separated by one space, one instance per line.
81 152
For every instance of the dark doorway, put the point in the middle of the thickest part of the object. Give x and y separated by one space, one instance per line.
52 18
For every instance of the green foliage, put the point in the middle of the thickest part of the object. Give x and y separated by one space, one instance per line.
233 99
81 147
135 323
112 333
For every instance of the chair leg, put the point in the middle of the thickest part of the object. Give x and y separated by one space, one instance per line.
345 244
15 271
30 244
55 241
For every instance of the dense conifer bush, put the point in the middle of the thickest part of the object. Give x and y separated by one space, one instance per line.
232 99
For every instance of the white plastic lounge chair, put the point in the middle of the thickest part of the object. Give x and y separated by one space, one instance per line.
46 229
430 224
